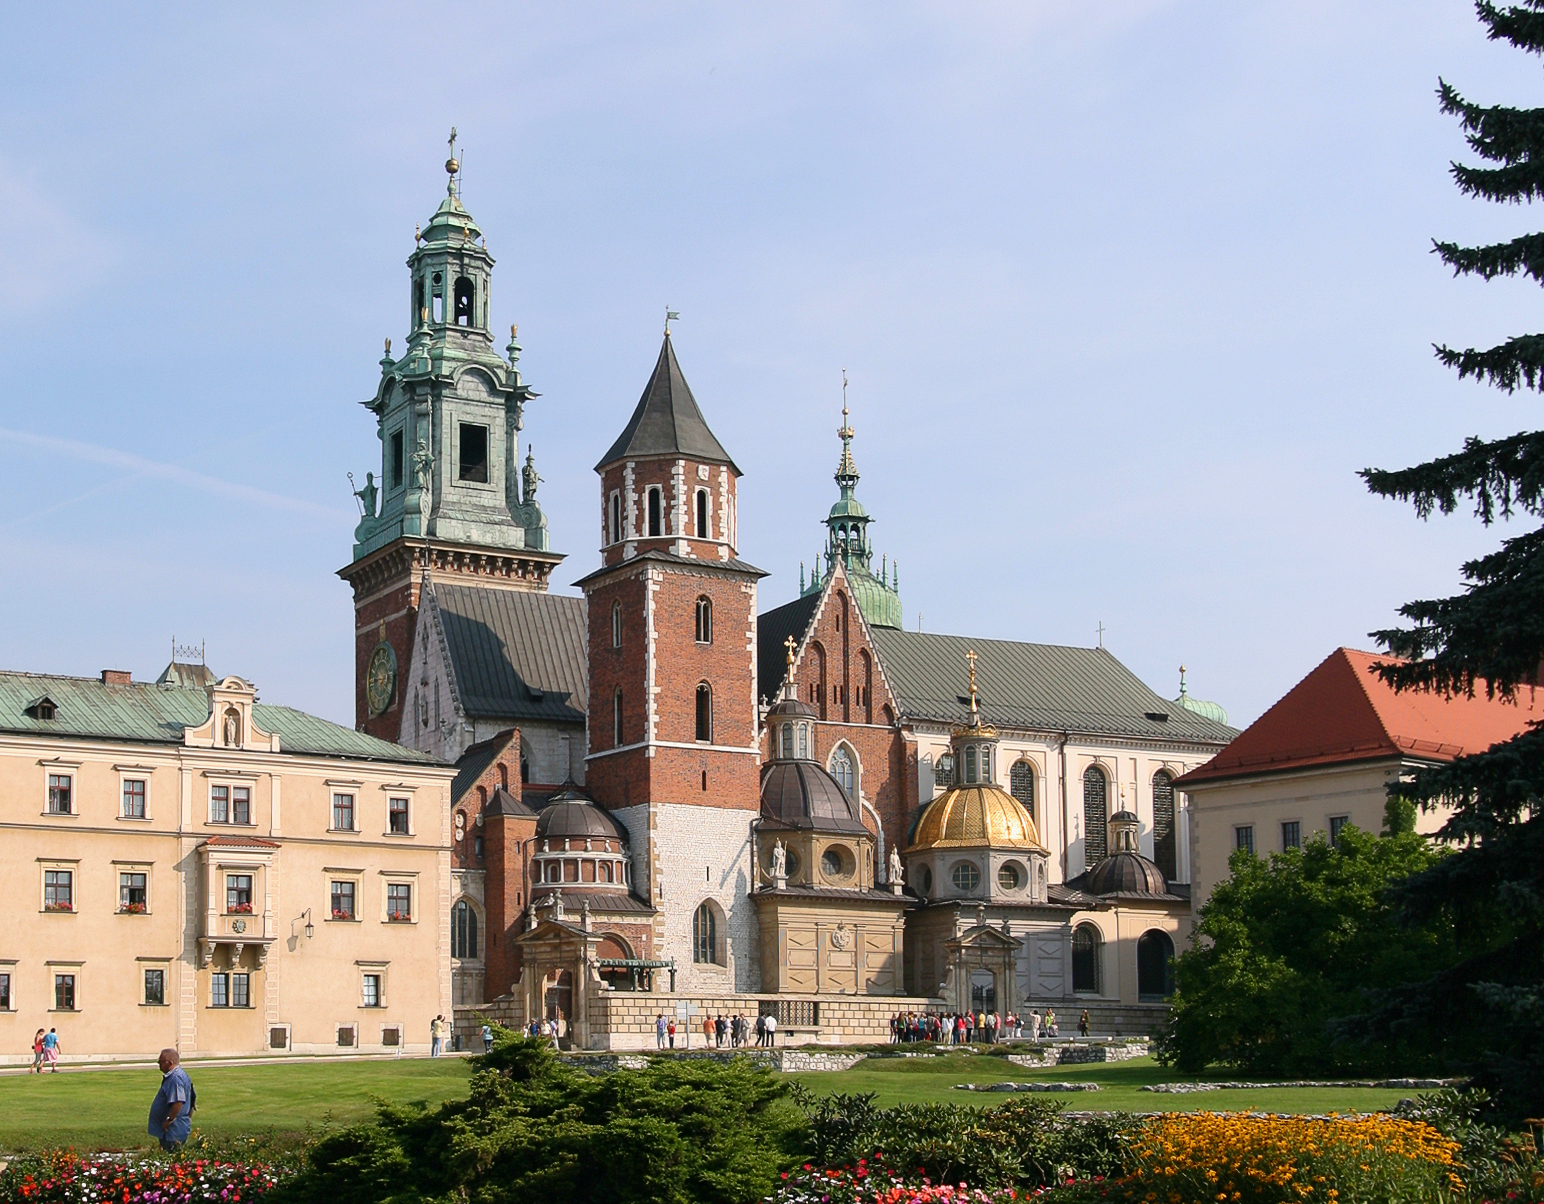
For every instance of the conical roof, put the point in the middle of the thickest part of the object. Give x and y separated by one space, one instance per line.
667 421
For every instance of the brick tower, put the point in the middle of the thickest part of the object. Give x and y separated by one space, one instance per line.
673 746
454 502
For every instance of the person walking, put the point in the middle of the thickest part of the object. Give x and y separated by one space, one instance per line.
659 1031
708 1029
51 1050
436 1036
771 1030
1083 1024
670 1031
487 1036
761 1030
171 1112
37 1053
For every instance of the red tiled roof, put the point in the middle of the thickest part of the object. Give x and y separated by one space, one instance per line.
241 842
1344 712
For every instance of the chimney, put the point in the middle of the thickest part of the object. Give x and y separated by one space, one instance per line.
116 677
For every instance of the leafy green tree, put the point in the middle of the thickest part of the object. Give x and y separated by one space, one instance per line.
1486 1013
1288 945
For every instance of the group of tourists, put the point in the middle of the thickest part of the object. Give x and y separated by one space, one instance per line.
720 1031
964 1028
45 1051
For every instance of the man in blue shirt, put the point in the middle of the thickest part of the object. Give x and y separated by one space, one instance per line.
171 1112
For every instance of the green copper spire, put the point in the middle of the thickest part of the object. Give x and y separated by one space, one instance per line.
847 539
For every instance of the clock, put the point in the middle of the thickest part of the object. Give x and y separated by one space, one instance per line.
381 678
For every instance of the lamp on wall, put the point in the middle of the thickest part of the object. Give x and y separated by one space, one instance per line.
310 927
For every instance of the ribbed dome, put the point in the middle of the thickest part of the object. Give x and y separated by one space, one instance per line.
1125 874
975 817
791 708
571 813
800 794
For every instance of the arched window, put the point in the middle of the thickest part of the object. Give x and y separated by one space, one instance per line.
705 935
943 771
702 514
804 741
1086 968
615 529
465 302
1165 854
1021 784
785 741
842 768
463 930
704 620
1096 815
705 712
1155 969
616 719
866 680
655 518
616 624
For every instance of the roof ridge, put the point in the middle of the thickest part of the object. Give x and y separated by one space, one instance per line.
1379 717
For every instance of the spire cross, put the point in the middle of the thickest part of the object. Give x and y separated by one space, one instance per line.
1101 633
790 643
970 656
451 165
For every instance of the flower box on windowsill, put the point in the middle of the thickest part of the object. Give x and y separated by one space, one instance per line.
398 917
339 914
132 909
58 907
240 909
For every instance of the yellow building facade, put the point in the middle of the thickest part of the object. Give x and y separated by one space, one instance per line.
186 867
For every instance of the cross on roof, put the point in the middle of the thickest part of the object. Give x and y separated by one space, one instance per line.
790 643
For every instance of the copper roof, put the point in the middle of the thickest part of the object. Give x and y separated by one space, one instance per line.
1344 712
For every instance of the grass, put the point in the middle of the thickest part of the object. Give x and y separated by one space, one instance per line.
109 1109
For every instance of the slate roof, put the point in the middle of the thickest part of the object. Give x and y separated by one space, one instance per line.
667 421
474 762
516 654
604 901
772 628
145 713
1343 712
664 557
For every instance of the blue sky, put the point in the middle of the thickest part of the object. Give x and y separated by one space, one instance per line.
1126 294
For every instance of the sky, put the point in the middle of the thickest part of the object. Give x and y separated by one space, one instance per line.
1126 294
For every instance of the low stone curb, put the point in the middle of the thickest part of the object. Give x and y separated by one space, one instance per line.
1026 1086
1190 1088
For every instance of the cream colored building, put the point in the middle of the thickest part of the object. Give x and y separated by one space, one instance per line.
1324 756
187 867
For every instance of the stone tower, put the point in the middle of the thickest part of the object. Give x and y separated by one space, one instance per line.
451 500
673 744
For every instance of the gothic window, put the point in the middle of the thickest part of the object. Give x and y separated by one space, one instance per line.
842 768
1164 851
705 712
866 676
473 453
1021 784
615 532
820 677
463 930
616 719
616 624
1155 970
465 302
395 467
656 526
1086 960
1096 816
704 620
705 935
702 514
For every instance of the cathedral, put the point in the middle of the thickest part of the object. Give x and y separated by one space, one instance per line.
669 800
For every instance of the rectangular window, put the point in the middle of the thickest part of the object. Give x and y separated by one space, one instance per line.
133 892
155 988
219 990
238 894
58 890
1243 838
397 461
1337 822
391 1034
59 790
343 901
64 992
1291 835
241 990
399 901
343 812
133 798
372 991
219 804
345 1036
241 805
396 816
5 992
472 462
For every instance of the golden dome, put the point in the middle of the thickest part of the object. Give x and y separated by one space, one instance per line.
975 817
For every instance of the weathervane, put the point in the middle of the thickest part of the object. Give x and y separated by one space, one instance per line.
452 166
670 316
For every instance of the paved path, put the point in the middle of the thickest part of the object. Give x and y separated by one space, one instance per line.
255 1060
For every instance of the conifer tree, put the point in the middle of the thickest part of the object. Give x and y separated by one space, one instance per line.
1486 1013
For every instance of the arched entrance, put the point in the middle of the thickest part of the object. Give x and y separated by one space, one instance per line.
1155 968
983 991
558 999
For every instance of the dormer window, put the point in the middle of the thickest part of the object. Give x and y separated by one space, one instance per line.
41 708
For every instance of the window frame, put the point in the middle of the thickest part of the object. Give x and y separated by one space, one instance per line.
1297 834
1095 953
144 987
654 512
7 986
703 528
1243 838
705 936
333 893
462 935
617 726
142 796
616 624
69 905
968 869
66 980
126 905
394 889
352 807
702 726
614 517
60 783
372 989
702 617
405 811
234 906
1334 825
462 465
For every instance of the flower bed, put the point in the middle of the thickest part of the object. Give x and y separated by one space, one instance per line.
874 1181
64 1177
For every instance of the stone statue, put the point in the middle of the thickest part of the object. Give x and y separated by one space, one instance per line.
367 495
897 870
529 477
232 728
423 464
779 860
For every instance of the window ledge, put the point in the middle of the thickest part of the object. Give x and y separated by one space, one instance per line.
225 1007
155 1005
372 1007
57 911
400 835
60 814
122 912
404 923
137 819
343 831
229 823
342 920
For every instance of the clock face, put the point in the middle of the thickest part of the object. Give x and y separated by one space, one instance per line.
381 678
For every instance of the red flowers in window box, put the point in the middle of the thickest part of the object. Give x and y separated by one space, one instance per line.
339 913
239 909
58 907
398 917
131 909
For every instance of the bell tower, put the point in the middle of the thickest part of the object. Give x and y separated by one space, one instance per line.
674 749
451 499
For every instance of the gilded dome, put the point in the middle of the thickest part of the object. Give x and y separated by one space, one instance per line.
975 817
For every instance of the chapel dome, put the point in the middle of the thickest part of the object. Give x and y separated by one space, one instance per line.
1124 874
801 794
791 708
982 816
572 814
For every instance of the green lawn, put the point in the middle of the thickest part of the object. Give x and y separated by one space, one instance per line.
926 1080
108 1109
